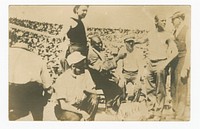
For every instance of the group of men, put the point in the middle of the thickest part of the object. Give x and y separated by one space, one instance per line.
90 68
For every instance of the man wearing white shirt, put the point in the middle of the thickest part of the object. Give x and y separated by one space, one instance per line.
131 66
161 51
28 79
75 91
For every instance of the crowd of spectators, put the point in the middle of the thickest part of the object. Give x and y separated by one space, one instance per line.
113 38
49 48
51 28
114 34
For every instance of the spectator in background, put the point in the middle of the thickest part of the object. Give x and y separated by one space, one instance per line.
180 66
28 79
75 91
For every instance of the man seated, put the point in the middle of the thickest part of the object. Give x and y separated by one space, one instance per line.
100 66
75 91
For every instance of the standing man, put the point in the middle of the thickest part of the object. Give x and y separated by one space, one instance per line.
76 33
161 51
28 79
75 91
132 66
180 66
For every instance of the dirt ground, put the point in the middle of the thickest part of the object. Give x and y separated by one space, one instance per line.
110 115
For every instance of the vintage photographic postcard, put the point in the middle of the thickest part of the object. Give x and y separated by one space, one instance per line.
99 62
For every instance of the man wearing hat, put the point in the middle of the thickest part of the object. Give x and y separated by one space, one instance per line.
75 91
131 65
180 66
161 51
28 80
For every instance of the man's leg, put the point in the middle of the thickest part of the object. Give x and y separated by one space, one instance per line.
181 91
65 115
181 100
174 81
110 89
17 101
36 100
37 112
160 91
90 105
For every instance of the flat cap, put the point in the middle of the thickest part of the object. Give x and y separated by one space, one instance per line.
74 58
177 15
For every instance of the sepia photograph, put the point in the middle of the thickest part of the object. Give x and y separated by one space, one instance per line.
99 63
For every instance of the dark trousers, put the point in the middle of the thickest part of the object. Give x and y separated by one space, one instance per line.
156 88
24 98
110 89
178 86
85 105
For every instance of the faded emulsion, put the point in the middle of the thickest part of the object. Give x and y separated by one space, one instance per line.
99 63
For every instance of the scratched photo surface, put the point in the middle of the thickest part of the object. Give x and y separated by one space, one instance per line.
99 63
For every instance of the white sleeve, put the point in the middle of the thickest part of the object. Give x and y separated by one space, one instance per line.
60 87
89 82
45 76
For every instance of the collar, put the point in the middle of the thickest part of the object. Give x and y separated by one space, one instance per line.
72 74
179 29
98 53
76 76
